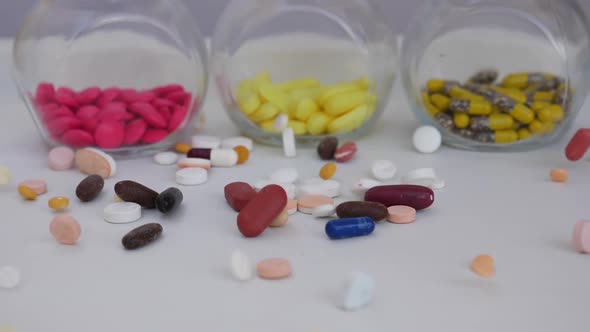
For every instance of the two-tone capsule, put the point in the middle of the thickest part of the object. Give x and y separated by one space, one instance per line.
472 107
218 157
349 227
522 80
492 122
497 137
518 111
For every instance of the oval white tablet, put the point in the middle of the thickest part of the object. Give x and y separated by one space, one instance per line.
284 175
324 211
9 277
122 213
241 268
232 142
166 158
383 170
289 147
224 158
206 141
330 188
191 176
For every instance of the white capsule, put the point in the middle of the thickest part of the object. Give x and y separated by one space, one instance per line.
330 188
240 265
166 158
324 211
423 177
289 188
206 141
191 176
122 213
427 139
383 170
284 175
358 292
9 277
289 145
224 158
232 142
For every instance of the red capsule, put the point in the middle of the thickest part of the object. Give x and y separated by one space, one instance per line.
238 195
418 197
578 145
202 153
345 152
260 212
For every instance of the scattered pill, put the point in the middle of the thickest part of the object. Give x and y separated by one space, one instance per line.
291 206
27 193
224 158
324 211
427 139
58 203
243 154
261 211
89 188
191 176
182 148
581 237
166 158
423 177
194 163
92 161
289 188
559 175
169 200
281 121
353 209
238 194
578 145
284 175
65 229
142 236
240 266
201 153
346 152
9 277
205 141
350 227
38 186
383 170
330 188
358 291
281 220
122 213
274 269
418 197
362 185
232 142
306 204
327 148
61 158
401 214
289 145
483 266
131 191
328 171
5 175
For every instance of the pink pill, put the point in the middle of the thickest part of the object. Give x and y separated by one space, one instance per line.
177 118
66 96
346 152
65 229
109 115
45 93
107 96
145 96
60 158
161 102
129 95
149 114
274 269
165 112
89 125
87 112
47 108
109 135
77 138
134 131
178 97
38 186
581 237
59 125
88 96
166 89
58 112
401 214
152 136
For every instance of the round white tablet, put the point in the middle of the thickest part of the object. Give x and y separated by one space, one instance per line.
383 170
122 213
232 142
206 141
427 139
166 158
324 211
289 147
281 122
241 268
191 176
284 175
330 188
9 277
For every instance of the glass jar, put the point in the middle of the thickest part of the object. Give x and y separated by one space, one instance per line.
321 67
498 74
125 76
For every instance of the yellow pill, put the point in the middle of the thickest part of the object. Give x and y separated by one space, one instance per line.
515 125
492 122
303 83
552 113
265 112
425 97
349 121
523 133
27 193
546 96
328 171
269 125
245 88
505 136
305 108
461 120
299 128
435 85
336 90
473 107
458 92
299 94
318 123
548 127
343 103
539 105
272 94
441 102
263 78
363 83
516 80
58 203
522 113
514 94
182 147
249 103
536 127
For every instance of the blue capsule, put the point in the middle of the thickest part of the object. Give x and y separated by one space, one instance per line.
349 227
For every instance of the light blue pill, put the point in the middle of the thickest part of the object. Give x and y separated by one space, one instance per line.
358 291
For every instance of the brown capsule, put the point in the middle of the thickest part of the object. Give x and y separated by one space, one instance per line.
354 209
327 148
131 191
89 188
142 236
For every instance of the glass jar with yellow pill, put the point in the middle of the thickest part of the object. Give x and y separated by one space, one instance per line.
328 65
498 75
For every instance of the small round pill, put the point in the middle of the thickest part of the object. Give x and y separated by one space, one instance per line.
58 203
427 139
401 214
38 186
243 154
27 193
191 176
559 175
61 158
328 171
9 278
327 148
483 265
274 269
166 158
122 213
65 229
307 203
383 170
182 148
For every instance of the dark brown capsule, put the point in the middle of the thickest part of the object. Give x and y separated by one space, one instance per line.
354 209
89 188
131 191
141 236
327 148
418 197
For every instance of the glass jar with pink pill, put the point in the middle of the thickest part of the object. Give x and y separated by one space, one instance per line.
320 67
126 76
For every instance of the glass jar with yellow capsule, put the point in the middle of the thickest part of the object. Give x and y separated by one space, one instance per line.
325 65
498 74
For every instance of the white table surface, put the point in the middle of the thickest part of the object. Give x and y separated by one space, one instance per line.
497 203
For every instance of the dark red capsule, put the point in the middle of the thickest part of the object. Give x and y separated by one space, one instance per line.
418 197
578 145
260 212
238 195
202 153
